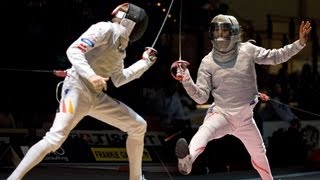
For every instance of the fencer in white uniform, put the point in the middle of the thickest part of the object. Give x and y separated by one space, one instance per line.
97 56
228 74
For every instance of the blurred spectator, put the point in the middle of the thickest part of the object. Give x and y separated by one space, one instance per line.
307 90
7 120
282 110
166 105
269 27
282 80
276 109
287 147
310 136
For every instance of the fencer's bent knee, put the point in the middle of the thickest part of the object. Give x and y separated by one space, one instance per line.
46 146
139 129
58 133
258 152
207 131
55 138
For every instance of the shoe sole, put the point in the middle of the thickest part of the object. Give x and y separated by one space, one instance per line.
182 149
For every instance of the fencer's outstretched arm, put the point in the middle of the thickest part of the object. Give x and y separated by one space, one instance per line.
134 71
199 92
280 55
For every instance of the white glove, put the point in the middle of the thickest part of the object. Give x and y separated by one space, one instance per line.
99 83
184 74
150 54
179 70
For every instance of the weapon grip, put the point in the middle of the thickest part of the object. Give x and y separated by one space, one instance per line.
151 51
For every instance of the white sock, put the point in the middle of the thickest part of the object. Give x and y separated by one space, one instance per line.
135 152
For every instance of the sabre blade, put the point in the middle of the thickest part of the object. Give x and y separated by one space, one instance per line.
26 70
164 21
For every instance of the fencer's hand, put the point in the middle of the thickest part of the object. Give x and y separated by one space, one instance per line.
264 97
305 28
99 83
60 73
185 75
149 54
179 70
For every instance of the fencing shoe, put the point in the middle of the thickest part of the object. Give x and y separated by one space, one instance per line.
184 159
142 177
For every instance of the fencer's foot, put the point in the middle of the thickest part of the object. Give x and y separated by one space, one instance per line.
184 159
13 178
142 177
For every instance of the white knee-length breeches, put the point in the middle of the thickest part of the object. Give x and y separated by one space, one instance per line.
242 125
76 102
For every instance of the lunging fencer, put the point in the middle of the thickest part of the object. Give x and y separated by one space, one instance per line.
228 74
97 55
